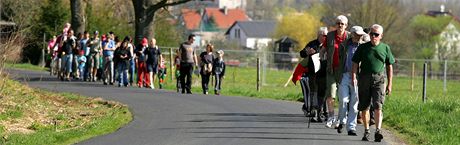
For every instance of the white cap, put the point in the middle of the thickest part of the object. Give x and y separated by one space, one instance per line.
358 30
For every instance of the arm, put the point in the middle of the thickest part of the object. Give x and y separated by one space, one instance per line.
389 79
223 70
354 70
195 59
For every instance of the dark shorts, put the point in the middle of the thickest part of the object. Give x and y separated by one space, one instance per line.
371 88
152 68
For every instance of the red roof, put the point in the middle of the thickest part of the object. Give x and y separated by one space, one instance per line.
224 21
191 18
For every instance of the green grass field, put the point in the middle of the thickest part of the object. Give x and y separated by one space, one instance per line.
433 122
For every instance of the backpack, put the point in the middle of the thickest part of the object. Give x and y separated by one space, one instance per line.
207 68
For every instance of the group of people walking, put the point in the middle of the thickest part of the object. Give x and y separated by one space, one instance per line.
109 59
351 64
209 65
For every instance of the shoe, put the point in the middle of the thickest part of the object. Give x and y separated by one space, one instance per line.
366 136
339 128
329 122
314 119
205 93
111 83
371 122
119 85
378 136
105 83
152 87
304 110
352 133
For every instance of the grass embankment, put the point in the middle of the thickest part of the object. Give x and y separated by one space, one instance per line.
433 122
33 116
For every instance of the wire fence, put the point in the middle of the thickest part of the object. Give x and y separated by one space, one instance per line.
276 67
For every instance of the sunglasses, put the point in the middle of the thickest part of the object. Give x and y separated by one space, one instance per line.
339 23
374 34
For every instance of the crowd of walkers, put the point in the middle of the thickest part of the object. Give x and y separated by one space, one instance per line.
108 59
350 65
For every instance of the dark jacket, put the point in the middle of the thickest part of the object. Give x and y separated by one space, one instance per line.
218 67
343 55
331 50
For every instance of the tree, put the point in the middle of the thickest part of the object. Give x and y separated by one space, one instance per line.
299 26
144 15
388 13
77 9
427 29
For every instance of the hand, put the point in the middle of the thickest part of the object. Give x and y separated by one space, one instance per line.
388 90
354 81
311 51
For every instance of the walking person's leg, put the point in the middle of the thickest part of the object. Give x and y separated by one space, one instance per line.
183 74
132 69
378 99
352 110
331 92
306 96
120 71
344 99
217 84
364 102
188 83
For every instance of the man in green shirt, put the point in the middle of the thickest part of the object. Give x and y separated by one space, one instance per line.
371 58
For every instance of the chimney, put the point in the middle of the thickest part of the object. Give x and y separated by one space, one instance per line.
225 9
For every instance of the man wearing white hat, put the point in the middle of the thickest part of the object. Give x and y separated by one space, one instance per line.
348 98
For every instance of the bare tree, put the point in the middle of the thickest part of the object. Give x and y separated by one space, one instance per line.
144 14
77 9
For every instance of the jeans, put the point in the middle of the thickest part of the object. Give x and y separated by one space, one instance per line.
108 69
122 73
205 82
348 102
67 63
218 83
132 68
81 69
186 71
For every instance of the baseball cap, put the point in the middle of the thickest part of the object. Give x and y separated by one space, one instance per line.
220 52
144 41
358 30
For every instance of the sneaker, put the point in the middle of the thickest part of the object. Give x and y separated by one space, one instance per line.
378 136
366 136
352 133
339 128
304 110
329 122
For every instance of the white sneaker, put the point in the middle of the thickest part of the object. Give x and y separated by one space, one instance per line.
329 122
152 87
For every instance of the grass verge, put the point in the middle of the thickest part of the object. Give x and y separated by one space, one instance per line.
32 116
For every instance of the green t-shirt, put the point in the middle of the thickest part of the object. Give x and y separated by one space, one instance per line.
373 58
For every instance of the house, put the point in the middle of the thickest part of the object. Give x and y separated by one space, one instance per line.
231 4
252 34
210 23
448 44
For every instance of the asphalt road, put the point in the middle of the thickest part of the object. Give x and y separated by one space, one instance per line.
164 117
